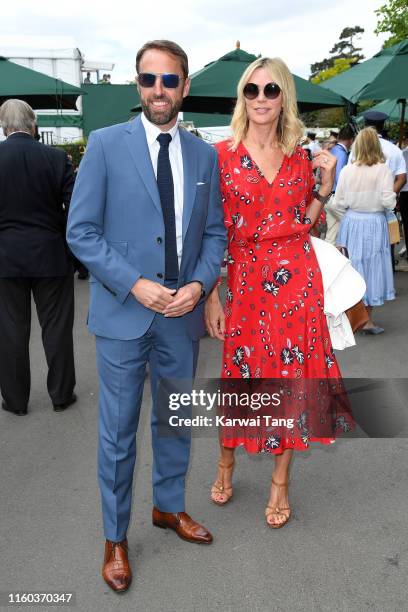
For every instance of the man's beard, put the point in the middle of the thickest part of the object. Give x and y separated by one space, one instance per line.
159 117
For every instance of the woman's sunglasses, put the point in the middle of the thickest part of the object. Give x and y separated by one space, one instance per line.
148 79
271 91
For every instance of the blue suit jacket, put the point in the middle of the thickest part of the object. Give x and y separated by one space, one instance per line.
115 220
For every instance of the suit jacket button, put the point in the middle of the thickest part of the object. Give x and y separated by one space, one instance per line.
159 275
159 240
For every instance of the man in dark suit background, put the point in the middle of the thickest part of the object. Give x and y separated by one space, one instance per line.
36 183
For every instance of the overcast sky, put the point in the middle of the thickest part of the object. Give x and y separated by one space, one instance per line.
300 32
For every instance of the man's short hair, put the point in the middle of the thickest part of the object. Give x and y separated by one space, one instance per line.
311 135
346 133
17 116
167 46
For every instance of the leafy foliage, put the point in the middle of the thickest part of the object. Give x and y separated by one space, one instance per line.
75 150
320 66
326 117
344 49
393 19
339 65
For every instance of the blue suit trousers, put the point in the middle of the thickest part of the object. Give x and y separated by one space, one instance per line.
171 354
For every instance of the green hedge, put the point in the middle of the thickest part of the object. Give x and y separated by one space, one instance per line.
75 150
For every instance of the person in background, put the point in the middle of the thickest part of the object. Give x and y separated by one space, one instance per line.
313 145
87 80
333 136
364 191
105 80
327 144
341 151
36 183
393 156
403 201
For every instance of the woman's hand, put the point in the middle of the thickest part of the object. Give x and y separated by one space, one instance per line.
214 315
326 161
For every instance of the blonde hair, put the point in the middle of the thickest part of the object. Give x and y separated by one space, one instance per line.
290 130
367 149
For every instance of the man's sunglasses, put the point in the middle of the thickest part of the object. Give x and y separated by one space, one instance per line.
148 79
271 91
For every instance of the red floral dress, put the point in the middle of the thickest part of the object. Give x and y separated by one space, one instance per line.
275 324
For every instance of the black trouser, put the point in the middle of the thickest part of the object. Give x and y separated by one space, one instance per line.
403 206
54 300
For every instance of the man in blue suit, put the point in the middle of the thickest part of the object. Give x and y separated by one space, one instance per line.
146 220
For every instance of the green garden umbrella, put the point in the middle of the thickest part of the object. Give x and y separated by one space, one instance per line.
392 108
383 77
214 87
38 90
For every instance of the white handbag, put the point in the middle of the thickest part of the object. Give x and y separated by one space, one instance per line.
343 287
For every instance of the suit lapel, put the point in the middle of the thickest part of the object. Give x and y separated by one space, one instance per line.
139 150
189 177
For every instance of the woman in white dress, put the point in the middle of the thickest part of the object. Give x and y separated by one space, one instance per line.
364 192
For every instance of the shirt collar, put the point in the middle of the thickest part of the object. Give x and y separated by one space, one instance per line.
19 132
152 131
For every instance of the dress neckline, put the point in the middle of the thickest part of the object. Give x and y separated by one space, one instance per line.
258 169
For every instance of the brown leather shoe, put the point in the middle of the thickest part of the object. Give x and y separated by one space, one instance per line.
183 525
116 569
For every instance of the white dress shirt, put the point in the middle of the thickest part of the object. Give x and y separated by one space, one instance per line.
405 154
313 147
176 163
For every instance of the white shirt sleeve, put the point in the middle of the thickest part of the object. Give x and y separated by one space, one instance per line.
401 167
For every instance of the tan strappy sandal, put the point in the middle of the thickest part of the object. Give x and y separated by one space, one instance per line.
218 486
276 510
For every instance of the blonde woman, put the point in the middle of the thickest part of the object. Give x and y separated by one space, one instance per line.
273 325
364 192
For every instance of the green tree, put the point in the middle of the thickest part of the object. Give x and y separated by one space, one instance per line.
339 65
393 19
325 117
320 66
344 49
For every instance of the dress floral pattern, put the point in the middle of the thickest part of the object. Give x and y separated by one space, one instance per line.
275 324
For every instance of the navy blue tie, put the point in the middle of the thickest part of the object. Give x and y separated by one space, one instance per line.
166 192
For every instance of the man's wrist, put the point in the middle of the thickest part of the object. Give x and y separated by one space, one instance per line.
201 285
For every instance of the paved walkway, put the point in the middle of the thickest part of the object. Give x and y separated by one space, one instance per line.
346 548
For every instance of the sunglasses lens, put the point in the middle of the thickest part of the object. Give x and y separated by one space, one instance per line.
272 91
251 91
170 81
146 79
